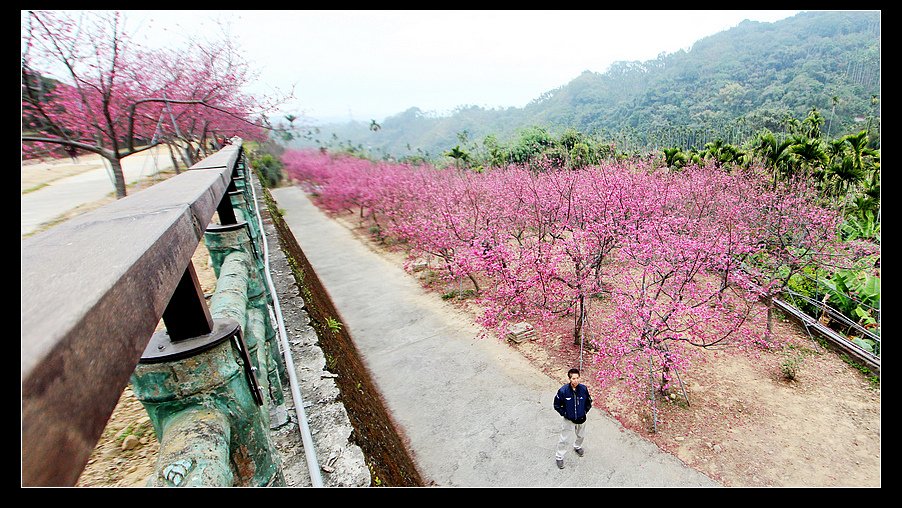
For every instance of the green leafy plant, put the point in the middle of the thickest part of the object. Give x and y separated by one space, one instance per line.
855 293
269 168
873 379
805 283
376 481
133 429
331 362
333 324
461 295
869 345
790 366
862 226
674 158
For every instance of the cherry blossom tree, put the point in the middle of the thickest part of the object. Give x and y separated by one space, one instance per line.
115 99
792 229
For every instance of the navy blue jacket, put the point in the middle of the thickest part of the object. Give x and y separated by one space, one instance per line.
573 404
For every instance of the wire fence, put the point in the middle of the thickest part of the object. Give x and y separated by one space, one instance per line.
799 301
850 297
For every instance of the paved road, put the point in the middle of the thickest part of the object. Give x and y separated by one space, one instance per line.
476 413
62 195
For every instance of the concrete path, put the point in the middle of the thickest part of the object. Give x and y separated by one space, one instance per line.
476 413
60 196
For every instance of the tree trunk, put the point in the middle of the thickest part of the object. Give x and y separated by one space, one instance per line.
175 163
577 328
475 284
118 176
185 155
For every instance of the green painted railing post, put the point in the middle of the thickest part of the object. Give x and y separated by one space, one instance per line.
197 380
242 164
245 212
207 411
223 242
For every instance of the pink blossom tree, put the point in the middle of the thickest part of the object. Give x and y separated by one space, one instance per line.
792 229
670 301
112 96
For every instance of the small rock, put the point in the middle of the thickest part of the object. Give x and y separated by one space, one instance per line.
680 438
717 448
328 469
130 442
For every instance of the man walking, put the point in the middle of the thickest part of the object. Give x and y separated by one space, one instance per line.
572 402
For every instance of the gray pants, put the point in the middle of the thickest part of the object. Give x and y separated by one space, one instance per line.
568 427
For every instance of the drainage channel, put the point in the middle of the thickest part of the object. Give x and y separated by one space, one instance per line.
374 431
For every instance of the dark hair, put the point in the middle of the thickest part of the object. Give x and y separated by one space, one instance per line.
571 372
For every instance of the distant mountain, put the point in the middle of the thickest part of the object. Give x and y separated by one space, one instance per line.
726 85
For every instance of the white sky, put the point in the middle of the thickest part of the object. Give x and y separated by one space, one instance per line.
366 65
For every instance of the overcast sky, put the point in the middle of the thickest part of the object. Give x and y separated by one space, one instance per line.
366 65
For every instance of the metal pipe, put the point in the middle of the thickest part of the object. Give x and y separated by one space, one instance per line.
307 438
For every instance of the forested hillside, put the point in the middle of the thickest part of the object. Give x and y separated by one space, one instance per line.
728 86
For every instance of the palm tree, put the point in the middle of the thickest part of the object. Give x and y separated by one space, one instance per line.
810 153
858 144
458 155
845 176
674 158
874 101
870 199
836 148
832 114
813 123
696 157
793 126
775 153
713 148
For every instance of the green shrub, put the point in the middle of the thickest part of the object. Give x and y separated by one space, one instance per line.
269 168
805 284
790 366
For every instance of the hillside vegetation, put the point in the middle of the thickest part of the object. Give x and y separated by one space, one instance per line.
727 86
